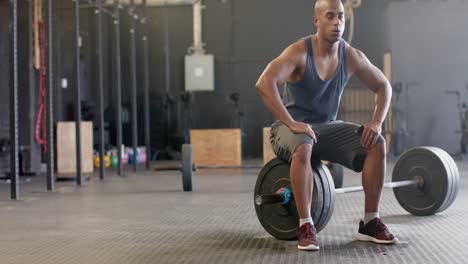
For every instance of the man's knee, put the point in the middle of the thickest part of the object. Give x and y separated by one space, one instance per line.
378 151
379 148
302 153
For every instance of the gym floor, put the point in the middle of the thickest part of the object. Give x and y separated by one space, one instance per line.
146 218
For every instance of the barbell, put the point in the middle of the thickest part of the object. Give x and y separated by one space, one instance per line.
424 181
187 167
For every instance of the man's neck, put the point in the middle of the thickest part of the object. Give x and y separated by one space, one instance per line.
324 47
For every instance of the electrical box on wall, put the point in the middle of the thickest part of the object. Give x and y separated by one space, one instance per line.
199 72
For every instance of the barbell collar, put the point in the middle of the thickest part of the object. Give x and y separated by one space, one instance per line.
276 198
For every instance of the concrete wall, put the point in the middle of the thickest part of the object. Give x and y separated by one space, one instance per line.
426 39
27 92
428 43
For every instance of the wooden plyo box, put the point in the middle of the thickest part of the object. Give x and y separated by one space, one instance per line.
268 153
66 147
216 147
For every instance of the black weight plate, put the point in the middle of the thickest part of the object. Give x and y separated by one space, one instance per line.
187 167
436 173
326 197
282 221
329 195
451 183
317 199
449 179
336 171
455 179
455 176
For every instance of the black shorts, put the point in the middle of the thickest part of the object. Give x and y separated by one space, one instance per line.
337 142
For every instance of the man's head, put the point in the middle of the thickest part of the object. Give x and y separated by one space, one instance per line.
329 19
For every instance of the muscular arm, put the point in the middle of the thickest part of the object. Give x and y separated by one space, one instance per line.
278 71
374 79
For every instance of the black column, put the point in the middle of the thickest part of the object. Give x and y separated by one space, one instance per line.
79 177
101 94
119 86
14 162
132 17
50 103
144 21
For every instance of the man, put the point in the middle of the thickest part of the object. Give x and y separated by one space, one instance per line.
315 70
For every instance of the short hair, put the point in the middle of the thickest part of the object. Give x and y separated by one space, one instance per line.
320 5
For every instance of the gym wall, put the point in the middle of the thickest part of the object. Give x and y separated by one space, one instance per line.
244 36
27 99
428 41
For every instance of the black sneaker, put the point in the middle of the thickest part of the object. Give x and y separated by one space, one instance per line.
375 231
306 237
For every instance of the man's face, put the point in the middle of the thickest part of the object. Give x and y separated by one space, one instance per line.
330 21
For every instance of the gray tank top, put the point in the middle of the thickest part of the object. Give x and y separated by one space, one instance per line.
311 99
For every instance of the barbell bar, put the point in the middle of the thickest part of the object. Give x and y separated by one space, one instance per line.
280 198
417 182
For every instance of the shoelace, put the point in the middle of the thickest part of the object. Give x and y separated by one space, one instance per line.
380 226
307 230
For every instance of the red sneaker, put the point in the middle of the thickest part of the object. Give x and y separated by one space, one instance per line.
375 231
306 237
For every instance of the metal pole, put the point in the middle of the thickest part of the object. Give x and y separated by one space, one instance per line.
101 94
32 80
386 185
58 59
79 177
278 198
197 47
146 84
14 162
166 101
119 86
50 101
133 16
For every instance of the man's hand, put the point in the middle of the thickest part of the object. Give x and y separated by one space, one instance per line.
303 128
370 134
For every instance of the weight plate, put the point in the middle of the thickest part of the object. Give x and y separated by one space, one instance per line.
328 193
430 165
282 221
187 167
336 171
317 200
454 179
450 191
